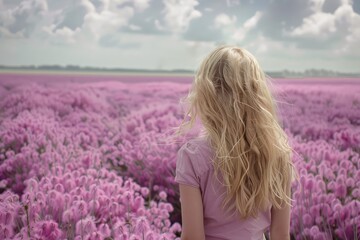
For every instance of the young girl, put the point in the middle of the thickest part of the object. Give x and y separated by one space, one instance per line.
235 178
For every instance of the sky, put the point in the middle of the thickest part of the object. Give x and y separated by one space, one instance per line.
177 34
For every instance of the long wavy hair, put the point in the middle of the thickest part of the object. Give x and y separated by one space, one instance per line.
231 96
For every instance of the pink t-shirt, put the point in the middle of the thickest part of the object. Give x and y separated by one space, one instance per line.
194 168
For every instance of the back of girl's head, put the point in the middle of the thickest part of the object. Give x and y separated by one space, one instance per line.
231 96
228 82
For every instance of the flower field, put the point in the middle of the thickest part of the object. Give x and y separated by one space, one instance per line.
88 160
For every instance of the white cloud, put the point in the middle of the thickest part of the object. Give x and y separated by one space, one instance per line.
178 14
21 20
4 32
88 5
107 21
352 20
39 4
96 23
316 5
345 15
350 2
229 29
141 5
319 24
343 22
223 20
240 33
61 36
263 46
253 21
71 22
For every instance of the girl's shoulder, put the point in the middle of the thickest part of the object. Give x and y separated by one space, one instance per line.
192 162
197 145
200 152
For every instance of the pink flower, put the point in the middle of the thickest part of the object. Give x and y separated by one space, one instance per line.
307 219
85 226
105 230
144 191
163 195
141 225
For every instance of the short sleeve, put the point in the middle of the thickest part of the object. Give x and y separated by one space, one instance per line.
185 171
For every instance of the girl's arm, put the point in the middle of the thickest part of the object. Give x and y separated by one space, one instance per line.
280 220
280 223
191 213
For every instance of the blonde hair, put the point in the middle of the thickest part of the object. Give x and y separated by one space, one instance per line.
234 103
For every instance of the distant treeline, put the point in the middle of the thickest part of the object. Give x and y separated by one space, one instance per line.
275 74
311 73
